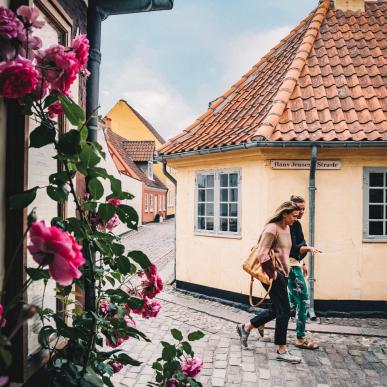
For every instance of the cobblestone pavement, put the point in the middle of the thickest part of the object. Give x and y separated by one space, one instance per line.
342 360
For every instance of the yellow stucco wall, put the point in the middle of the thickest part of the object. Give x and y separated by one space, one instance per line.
349 269
126 123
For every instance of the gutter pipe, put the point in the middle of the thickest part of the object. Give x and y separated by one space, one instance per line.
174 181
312 207
278 144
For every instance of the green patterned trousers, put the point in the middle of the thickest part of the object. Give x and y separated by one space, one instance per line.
298 298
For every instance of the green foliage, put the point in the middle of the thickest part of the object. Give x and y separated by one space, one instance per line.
42 135
22 200
73 112
37 274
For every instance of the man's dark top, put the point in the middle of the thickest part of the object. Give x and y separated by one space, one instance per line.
298 241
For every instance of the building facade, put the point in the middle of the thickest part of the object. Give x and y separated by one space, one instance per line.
319 92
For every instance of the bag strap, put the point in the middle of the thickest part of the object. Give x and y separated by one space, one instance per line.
251 293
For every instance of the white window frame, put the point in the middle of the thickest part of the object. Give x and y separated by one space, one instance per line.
217 232
150 170
146 202
156 203
150 202
366 202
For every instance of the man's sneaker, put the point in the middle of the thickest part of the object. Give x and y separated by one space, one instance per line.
288 357
243 334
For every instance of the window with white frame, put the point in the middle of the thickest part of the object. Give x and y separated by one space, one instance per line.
156 203
146 202
160 203
375 204
217 202
151 203
164 205
150 170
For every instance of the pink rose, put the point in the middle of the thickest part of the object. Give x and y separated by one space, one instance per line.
17 78
81 47
9 24
30 15
59 67
4 380
59 250
119 341
117 366
113 222
3 321
192 366
115 202
104 307
151 308
153 286
173 383
55 109
151 271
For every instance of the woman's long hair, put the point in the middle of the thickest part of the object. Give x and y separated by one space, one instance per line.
284 209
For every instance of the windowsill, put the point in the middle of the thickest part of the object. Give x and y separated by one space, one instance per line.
367 240
208 234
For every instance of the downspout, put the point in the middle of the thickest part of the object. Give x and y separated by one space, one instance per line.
174 181
312 207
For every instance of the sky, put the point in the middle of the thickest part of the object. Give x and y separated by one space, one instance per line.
170 64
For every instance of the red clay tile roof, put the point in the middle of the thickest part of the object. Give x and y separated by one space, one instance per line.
139 150
117 142
325 81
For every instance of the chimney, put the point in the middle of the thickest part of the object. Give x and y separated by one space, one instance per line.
350 5
108 122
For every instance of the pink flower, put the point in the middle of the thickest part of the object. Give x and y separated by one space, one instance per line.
81 47
153 286
119 341
173 383
55 109
30 15
4 380
113 222
151 271
192 366
151 308
117 366
9 24
17 78
59 67
115 202
3 321
129 322
59 250
104 307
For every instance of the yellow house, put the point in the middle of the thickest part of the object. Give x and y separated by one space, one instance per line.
128 123
309 119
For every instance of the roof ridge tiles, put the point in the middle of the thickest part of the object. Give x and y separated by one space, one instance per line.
266 128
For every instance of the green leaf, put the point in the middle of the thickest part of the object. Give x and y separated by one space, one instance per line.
98 148
22 200
84 133
44 335
59 194
118 249
72 111
50 99
6 357
126 359
123 264
95 188
187 347
169 353
106 211
98 172
177 335
197 335
157 366
37 274
140 258
107 381
128 215
60 178
42 136
88 157
135 303
69 143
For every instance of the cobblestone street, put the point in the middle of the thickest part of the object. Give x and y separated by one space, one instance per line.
342 360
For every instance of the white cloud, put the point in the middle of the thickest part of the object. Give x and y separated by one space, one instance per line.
246 49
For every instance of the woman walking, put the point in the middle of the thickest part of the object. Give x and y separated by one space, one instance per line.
298 291
275 236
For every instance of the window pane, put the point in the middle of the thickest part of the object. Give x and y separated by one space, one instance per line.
233 210
376 179
210 224
210 209
223 210
224 195
209 195
224 180
233 195
376 212
201 223
201 181
376 196
385 197
233 224
233 180
201 209
202 195
210 180
223 224
376 228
